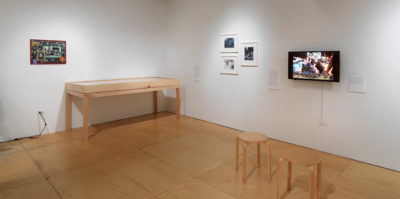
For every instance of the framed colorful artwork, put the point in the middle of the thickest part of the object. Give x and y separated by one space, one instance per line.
48 52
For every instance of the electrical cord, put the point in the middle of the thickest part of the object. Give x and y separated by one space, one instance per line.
45 125
322 102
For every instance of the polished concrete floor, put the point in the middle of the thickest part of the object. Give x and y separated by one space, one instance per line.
156 156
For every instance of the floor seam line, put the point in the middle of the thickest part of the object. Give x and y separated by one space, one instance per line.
197 178
136 147
46 178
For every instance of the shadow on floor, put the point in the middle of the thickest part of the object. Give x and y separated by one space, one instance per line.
130 121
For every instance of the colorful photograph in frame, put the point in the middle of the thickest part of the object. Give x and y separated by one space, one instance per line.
48 52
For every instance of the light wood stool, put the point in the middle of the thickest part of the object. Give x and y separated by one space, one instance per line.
252 138
302 157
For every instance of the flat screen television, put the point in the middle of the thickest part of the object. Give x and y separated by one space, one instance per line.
315 65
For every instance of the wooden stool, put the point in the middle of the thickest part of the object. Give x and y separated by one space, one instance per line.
302 157
252 138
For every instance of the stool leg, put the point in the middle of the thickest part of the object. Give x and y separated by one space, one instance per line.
258 155
269 159
319 176
237 154
311 168
289 176
244 162
279 178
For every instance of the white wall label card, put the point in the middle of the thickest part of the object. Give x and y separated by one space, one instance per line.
357 82
196 73
273 79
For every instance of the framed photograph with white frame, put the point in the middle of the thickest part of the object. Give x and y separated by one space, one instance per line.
229 64
229 43
249 53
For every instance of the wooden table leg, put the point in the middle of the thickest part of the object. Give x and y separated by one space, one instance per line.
237 154
85 118
289 176
68 110
178 103
319 176
244 162
258 155
269 159
311 168
279 178
155 104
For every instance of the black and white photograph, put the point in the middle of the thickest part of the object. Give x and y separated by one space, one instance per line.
229 64
229 43
249 53
52 51
41 55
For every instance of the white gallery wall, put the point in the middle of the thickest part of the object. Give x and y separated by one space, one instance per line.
364 127
105 39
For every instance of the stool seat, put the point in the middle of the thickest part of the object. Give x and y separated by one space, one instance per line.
252 137
301 156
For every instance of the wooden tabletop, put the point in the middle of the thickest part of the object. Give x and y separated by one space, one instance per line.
253 137
117 81
305 157
115 85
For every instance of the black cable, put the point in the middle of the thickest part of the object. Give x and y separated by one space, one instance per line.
322 103
45 125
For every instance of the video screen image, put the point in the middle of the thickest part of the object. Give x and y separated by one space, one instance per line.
314 65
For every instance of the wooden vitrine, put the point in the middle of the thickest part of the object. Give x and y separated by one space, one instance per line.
112 87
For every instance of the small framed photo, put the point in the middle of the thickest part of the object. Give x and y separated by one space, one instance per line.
249 55
229 64
229 43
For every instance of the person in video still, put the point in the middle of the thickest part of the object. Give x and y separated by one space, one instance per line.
315 65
